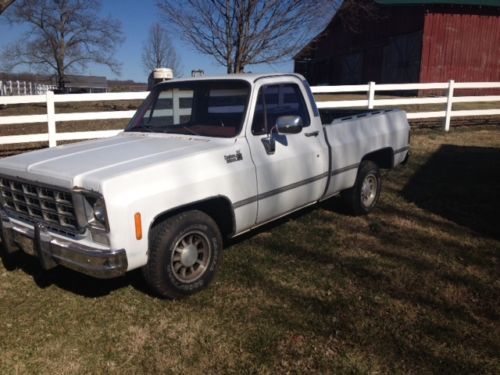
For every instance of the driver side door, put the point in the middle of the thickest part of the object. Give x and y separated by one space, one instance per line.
294 174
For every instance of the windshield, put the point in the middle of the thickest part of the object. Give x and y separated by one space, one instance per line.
204 108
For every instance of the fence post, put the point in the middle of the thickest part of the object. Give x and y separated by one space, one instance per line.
10 88
371 94
176 107
18 86
449 105
51 119
1 88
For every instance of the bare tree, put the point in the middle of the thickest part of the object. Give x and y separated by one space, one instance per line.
237 33
355 13
159 52
64 35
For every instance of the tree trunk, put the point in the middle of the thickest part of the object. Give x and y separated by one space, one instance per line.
61 78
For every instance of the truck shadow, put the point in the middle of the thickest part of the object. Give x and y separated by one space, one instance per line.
90 287
461 184
69 280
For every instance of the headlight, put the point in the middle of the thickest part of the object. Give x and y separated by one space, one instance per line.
97 218
94 211
100 211
90 209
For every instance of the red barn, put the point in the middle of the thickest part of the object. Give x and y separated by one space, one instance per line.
408 41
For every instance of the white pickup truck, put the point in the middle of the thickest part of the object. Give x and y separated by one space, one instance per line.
202 159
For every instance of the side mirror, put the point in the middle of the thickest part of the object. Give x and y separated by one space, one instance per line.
289 124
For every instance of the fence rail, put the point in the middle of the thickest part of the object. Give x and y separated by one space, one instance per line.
51 118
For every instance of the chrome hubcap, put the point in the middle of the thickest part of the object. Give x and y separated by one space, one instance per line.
190 257
369 190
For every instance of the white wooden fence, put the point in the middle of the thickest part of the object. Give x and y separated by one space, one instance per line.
9 88
449 99
51 118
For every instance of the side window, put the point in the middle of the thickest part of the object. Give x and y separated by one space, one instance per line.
275 101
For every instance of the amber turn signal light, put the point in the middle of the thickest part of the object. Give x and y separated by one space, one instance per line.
138 226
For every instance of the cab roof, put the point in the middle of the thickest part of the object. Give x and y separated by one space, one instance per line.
249 77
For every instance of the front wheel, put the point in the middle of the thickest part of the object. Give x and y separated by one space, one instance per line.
184 253
363 196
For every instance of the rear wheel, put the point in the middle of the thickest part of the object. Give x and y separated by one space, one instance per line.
363 196
184 253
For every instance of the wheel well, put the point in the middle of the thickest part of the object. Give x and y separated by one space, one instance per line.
384 158
218 208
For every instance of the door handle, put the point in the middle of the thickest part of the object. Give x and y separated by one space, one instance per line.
312 134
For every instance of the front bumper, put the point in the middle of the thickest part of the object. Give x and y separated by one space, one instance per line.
52 251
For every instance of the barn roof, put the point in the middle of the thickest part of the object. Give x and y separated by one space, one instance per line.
454 2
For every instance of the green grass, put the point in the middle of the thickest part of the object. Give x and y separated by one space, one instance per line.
411 288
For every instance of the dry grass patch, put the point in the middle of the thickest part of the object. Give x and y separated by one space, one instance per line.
411 288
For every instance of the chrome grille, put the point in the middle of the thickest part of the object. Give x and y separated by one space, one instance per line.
35 202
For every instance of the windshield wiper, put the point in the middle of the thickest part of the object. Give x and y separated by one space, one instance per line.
164 129
174 129
147 129
190 130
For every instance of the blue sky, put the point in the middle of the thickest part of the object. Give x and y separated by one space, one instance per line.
136 18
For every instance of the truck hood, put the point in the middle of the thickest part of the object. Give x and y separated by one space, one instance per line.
71 165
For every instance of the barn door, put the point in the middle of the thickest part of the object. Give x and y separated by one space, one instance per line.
401 61
351 69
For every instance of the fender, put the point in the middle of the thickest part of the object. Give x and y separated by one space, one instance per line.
227 228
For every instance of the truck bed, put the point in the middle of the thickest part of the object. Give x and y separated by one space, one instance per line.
353 137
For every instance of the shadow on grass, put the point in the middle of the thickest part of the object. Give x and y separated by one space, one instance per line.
365 316
460 183
69 280
90 287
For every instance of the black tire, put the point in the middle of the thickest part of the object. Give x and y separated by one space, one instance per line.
363 196
185 252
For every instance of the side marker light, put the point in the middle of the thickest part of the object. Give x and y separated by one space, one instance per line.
138 226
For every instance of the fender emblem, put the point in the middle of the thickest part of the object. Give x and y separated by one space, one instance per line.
233 157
